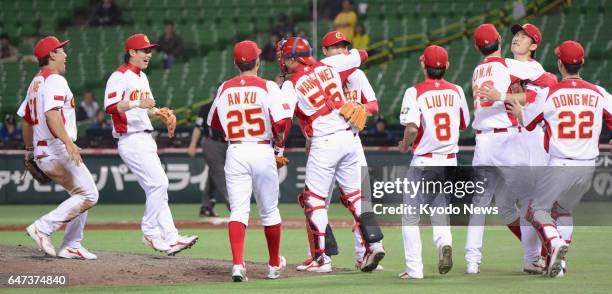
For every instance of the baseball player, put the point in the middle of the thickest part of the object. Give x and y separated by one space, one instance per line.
254 115
357 89
433 113
317 88
525 42
49 132
572 111
496 130
129 101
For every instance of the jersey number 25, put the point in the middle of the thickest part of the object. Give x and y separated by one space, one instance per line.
253 117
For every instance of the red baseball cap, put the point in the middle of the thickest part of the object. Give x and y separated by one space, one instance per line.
137 42
435 56
333 38
245 52
531 31
485 34
570 52
46 45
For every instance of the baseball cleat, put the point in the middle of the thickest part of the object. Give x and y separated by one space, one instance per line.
239 273
302 267
157 244
372 258
561 273
320 265
534 268
445 259
379 268
554 267
76 253
275 271
182 243
407 276
42 241
472 268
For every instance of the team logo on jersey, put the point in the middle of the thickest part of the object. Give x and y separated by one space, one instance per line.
139 94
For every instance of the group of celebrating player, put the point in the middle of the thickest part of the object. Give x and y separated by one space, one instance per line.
332 99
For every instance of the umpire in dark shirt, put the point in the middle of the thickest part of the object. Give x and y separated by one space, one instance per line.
214 147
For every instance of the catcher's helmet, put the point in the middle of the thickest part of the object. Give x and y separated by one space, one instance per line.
297 48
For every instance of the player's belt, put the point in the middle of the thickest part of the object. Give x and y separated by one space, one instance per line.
431 155
42 143
143 131
498 130
263 142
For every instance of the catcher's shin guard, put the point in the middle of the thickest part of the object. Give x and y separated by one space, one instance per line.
370 230
315 223
544 225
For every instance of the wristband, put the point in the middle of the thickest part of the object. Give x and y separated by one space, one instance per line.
278 151
133 104
503 97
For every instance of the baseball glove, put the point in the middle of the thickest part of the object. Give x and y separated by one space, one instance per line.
167 116
36 172
355 114
281 161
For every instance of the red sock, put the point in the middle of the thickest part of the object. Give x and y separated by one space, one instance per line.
273 237
236 235
516 230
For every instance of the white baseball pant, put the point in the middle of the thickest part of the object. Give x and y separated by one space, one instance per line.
77 181
250 168
139 153
428 170
360 249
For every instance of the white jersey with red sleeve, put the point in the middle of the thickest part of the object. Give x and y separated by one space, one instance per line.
347 63
357 88
48 90
318 92
572 111
127 83
531 72
488 115
439 110
247 107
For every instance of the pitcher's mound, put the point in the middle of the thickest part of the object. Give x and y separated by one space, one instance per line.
119 268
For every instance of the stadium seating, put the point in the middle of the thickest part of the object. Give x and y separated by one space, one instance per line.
210 27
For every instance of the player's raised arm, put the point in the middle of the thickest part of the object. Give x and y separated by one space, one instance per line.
343 62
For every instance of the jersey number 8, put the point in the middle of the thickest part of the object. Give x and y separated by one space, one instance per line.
443 128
